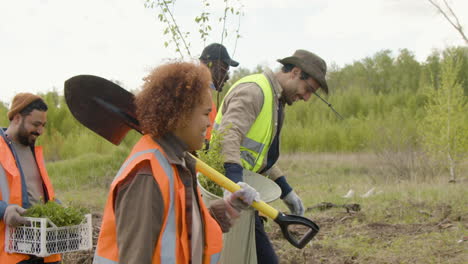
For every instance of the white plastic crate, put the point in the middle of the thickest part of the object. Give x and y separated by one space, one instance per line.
41 237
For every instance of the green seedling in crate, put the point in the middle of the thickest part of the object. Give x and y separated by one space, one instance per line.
58 214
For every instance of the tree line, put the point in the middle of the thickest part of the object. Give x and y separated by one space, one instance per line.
388 101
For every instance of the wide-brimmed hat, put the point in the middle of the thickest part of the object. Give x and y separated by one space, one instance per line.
311 64
216 51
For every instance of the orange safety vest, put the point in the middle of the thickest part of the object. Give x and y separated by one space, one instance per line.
173 245
212 117
10 192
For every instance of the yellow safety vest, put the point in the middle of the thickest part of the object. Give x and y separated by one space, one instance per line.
255 145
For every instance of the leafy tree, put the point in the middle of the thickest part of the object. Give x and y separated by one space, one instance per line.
461 54
407 71
444 129
380 70
431 71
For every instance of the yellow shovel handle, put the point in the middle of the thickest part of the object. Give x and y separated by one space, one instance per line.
231 186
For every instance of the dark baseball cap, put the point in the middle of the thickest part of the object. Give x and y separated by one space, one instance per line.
216 51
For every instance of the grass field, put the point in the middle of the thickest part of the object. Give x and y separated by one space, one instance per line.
421 220
403 222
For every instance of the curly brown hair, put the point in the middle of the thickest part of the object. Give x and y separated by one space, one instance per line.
169 94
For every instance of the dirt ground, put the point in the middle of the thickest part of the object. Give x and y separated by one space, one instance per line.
317 252
373 232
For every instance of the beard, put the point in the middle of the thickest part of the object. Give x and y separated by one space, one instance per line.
288 98
25 137
219 83
289 93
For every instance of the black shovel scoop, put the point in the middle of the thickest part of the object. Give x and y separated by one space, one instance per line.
107 109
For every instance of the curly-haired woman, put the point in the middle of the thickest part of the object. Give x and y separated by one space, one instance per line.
154 213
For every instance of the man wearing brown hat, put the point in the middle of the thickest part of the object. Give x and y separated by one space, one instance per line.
23 176
252 114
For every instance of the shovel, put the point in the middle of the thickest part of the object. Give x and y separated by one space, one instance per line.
108 110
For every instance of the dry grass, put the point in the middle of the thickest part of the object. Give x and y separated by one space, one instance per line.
409 220
416 220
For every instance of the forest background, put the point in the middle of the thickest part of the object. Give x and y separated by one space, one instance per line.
400 153
385 101
403 140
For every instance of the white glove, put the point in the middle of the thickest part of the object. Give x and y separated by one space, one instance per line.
294 203
12 216
243 198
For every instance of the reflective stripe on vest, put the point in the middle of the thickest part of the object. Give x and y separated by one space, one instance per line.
215 258
254 147
4 189
100 260
168 245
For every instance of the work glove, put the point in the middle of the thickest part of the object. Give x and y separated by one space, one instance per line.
243 198
289 197
294 203
12 216
228 209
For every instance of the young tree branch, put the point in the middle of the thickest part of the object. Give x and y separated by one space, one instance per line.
456 24
181 36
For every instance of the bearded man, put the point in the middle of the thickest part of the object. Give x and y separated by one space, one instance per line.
23 176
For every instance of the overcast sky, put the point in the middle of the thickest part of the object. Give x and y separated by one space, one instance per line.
45 42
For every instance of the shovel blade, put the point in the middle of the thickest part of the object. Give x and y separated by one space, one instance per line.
97 103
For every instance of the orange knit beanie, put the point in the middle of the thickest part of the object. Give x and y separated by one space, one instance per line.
20 101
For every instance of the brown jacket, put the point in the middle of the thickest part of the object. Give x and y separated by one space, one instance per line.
240 110
139 199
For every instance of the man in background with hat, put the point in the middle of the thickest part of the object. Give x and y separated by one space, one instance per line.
23 176
251 116
217 59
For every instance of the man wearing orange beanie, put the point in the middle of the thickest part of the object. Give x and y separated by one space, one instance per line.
23 176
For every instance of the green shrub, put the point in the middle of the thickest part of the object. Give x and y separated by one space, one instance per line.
215 160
